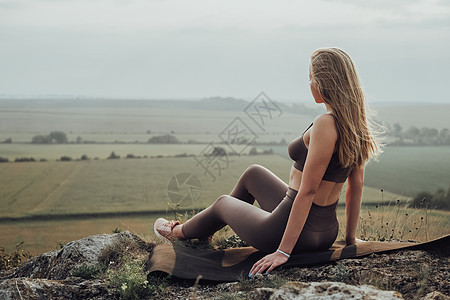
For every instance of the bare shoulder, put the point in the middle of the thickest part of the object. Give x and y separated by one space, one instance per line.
324 119
324 125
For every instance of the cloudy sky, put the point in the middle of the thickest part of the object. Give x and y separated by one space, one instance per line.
157 49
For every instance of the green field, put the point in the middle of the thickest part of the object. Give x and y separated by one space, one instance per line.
418 115
124 185
60 199
44 203
43 236
404 170
101 151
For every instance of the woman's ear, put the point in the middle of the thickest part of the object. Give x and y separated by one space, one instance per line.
315 92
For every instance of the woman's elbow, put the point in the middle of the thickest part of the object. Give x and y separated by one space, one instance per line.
307 193
356 181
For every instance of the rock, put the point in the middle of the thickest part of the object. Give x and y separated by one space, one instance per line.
57 265
34 288
229 287
322 290
436 296
414 274
48 276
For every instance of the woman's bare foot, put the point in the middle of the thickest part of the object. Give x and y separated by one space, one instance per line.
168 229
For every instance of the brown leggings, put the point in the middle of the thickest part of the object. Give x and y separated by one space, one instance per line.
263 227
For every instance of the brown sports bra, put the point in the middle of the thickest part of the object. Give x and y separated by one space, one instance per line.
335 172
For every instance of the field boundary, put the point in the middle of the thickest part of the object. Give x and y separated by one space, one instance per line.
61 217
80 216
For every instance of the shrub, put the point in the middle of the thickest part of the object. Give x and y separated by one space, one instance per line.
132 282
3 160
233 241
438 200
14 259
163 139
131 156
42 159
84 157
41 139
66 158
113 156
60 244
58 136
25 159
88 272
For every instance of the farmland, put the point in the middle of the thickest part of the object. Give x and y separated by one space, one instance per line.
50 202
118 186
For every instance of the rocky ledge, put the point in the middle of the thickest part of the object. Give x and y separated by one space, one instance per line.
88 269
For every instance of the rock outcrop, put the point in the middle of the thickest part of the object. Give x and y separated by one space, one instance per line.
409 274
323 290
49 275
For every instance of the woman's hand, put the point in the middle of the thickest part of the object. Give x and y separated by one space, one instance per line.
268 263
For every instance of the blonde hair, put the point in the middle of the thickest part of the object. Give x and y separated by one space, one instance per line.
335 75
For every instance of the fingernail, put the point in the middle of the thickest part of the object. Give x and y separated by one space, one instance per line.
257 274
250 275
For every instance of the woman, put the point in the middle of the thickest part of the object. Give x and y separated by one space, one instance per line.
301 215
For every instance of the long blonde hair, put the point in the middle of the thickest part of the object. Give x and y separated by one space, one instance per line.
335 75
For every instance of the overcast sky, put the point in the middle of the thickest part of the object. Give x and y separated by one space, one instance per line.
203 48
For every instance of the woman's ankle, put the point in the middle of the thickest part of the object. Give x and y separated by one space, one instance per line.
177 232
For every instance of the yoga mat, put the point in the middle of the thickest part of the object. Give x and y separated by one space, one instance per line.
227 265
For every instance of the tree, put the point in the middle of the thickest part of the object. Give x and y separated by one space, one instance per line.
413 133
218 151
444 136
113 156
59 137
421 200
163 139
397 130
41 139
253 151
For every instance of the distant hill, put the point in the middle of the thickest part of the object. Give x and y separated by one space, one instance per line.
212 103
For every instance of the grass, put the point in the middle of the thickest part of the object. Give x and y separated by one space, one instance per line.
140 185
55 188
14 258
404 170
398 222
88 272
101 151
410 170
118 186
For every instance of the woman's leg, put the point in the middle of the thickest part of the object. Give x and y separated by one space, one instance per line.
237 210
261 184
257 227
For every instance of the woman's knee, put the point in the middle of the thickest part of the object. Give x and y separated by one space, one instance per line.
254 169
222 201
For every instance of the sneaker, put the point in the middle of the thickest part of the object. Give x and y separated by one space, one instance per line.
163 229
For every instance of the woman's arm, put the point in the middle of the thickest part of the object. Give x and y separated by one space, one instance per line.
323 137
353 197
321 146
